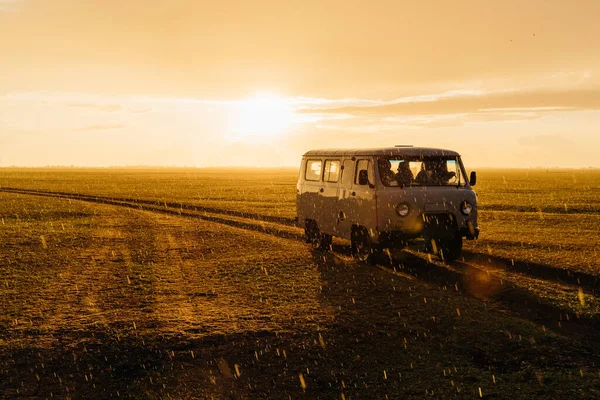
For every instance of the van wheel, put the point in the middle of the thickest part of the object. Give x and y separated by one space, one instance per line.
326 240
362 246
450 249
318 240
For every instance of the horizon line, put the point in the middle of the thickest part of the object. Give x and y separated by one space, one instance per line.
142 166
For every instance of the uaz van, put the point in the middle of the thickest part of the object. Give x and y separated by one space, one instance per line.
387 198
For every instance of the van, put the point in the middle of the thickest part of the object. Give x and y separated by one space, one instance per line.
386 198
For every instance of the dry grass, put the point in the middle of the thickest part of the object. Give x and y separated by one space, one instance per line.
550 218
538 216
100 301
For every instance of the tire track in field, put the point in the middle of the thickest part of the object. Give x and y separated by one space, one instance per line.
155 203
278 226
485 284
584 280
474 280
235 219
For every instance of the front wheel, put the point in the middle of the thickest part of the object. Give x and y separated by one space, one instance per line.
450 249
363 248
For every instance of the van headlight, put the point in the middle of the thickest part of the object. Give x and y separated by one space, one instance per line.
466 208
402 209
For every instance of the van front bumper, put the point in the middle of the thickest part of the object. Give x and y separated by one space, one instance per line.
399 239
469 233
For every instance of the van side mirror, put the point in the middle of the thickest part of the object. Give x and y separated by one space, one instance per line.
363 177
473 178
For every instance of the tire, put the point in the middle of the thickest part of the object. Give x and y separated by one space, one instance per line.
309 232
450 249
326 240
318 240
363 248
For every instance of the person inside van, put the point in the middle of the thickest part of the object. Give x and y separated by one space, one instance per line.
440 174
388 178
423 176
404 176
434 172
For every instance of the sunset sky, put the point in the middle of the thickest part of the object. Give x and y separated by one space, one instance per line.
188 82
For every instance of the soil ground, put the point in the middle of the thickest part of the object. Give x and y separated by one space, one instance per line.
104 301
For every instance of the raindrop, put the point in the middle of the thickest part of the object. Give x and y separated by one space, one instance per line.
580 296
302 381
321 341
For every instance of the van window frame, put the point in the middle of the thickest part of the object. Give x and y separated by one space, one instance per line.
370 171
462 183
325 169
308 160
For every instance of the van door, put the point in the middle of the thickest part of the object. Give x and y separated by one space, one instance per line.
329 196
362 198
311 201
344 209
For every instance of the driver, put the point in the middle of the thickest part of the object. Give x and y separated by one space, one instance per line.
441 175
435 172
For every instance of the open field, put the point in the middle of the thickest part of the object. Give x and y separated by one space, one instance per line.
206 290
549 217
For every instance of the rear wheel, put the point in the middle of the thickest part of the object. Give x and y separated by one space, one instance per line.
325 242
318 240
450 249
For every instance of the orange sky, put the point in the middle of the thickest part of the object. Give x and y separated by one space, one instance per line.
108 82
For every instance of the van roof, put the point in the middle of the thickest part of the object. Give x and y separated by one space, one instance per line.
383 151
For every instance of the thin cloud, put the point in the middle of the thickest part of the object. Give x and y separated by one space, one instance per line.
307 103
380 123
10 5
101 127
101 107
140 111
474 102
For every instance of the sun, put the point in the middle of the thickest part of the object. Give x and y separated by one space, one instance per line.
262 118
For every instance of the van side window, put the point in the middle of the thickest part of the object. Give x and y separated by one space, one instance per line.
332 171
313 170
363 165
348 173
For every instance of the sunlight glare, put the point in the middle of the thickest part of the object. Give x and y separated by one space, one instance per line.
262 117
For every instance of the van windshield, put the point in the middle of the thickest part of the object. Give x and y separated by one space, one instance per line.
421 171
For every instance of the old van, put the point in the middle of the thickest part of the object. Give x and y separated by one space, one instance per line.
387 198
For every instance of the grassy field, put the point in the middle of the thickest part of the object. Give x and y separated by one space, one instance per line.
548 217
105 301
